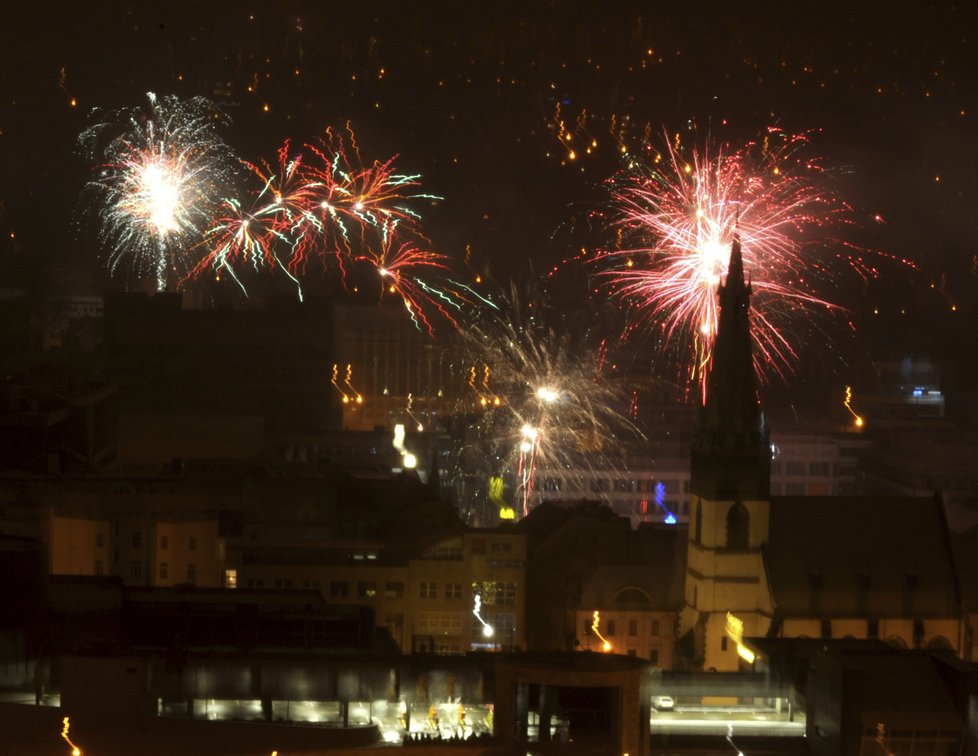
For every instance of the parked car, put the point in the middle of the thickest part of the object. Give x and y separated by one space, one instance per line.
663 703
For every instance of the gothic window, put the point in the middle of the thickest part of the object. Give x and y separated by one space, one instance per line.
738 527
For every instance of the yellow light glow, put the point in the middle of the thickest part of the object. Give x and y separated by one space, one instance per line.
66 725
847 403
605 644
745 653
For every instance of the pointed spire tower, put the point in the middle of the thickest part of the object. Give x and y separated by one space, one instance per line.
726 581
731 451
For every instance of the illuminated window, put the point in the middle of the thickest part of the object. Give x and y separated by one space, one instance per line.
230 578
367 589
428 590
164 570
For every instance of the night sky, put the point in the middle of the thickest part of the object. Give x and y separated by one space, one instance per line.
467 95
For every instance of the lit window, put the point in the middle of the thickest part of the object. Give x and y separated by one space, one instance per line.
230 578
367 589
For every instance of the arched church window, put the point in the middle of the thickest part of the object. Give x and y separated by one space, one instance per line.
738 526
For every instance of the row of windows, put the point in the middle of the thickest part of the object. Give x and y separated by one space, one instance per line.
610 628
164 571
490 591
618 485
444 622
137 541
136 570
822 469
428 590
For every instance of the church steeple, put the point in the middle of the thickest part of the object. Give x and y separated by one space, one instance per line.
731 452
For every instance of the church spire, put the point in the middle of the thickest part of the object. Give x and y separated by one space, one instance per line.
731 455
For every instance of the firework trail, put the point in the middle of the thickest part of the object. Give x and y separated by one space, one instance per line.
241 236
357 205
675 221
318 204
159 173
544 402
399 267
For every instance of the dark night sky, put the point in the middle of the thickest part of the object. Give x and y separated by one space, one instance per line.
466 94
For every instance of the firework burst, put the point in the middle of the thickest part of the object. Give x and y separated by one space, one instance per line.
676 220
351 210
544 401
159 173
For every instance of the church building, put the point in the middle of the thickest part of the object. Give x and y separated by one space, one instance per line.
829 567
